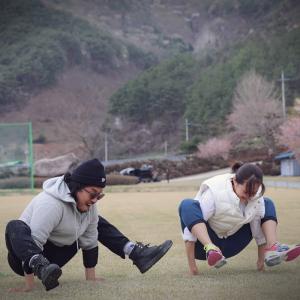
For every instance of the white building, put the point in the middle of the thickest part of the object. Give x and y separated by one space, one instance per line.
289 166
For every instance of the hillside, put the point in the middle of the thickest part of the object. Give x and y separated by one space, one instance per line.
52 63
62 63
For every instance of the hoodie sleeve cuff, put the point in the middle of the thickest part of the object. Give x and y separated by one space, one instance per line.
90 257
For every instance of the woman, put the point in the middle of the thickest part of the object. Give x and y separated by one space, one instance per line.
227 212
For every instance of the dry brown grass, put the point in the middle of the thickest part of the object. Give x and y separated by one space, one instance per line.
149 213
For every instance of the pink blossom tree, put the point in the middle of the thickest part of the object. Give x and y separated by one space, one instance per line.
256 111
214 148
290 135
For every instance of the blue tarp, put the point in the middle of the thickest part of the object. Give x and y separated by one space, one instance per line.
285 155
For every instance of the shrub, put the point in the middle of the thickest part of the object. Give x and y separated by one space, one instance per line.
117 179
190 146
142 59
14 183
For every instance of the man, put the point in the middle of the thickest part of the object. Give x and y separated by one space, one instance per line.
62 219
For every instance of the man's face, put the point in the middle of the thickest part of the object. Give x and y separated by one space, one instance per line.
87 197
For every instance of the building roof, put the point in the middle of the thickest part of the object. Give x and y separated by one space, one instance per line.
285 155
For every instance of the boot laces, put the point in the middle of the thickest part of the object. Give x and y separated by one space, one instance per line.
141 245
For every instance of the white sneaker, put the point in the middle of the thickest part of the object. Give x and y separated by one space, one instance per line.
281 252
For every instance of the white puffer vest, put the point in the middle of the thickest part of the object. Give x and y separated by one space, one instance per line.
228 217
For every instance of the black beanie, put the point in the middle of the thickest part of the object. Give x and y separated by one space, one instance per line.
90 173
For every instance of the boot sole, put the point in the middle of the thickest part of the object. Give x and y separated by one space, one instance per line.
155 259
51 280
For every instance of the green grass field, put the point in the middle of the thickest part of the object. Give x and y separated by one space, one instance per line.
148 213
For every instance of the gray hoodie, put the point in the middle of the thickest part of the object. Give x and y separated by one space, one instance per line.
52 215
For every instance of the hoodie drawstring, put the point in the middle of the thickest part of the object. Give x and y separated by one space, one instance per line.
76 230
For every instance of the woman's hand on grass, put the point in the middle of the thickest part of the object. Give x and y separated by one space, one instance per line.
194 271
260 265
260 258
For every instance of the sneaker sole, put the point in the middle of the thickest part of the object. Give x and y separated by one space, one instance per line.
154 260
214 258
275 260
51 281
292 254
221 263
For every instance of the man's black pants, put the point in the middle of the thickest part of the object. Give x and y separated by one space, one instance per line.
21 246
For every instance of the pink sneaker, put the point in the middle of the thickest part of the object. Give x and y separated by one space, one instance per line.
214 256
281 252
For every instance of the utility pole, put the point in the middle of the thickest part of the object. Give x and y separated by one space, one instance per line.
186 130
105 147
166 148
283 94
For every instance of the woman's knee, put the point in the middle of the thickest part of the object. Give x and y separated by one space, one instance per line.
269 206
190 211
270 211
185 204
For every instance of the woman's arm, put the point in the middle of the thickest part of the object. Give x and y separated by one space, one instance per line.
261 257
258 235
190 253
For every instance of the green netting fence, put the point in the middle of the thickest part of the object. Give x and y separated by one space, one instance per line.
16 156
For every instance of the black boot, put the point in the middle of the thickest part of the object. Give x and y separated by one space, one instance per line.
46 272
144 257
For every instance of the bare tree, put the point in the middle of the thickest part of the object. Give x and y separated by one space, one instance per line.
82 124
290 135
256 110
